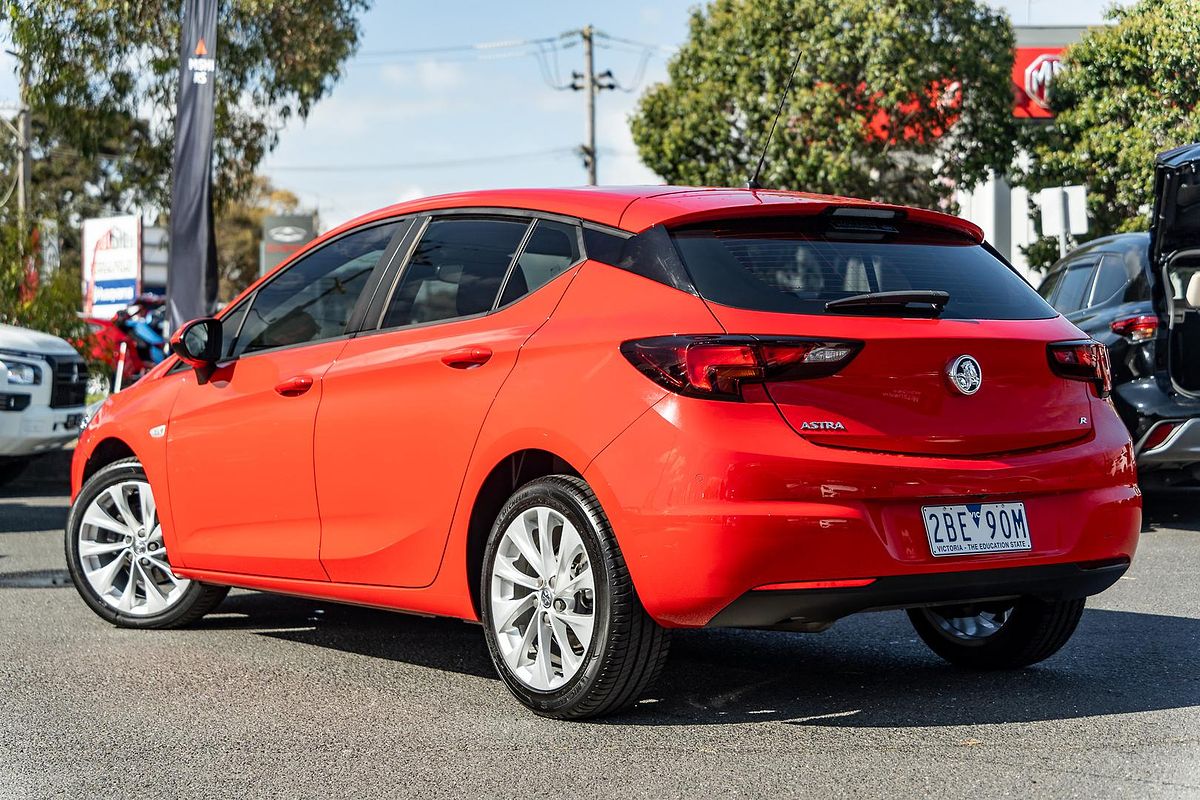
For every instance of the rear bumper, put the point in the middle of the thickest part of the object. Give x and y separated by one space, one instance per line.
1048 582
1179 449
711 501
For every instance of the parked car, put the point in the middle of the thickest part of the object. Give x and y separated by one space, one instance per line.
43 386
584 417
1113 291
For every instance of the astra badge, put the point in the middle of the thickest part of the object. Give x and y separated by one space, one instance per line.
965 375
822 426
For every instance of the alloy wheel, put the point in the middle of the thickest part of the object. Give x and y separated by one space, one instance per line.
543 599
122 553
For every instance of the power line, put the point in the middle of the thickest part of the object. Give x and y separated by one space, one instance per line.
498 45
641 45
413 165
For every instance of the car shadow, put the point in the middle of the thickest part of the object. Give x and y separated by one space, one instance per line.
1179 509
868 671
27 517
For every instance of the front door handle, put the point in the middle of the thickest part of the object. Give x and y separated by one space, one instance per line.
467 357
294 387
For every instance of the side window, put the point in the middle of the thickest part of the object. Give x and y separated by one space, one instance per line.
455 271
312 299
1073 292
1046 290
552 248
1111 279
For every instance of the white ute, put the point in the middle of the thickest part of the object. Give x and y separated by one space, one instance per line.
43 388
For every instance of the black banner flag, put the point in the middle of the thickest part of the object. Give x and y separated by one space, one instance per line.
192 268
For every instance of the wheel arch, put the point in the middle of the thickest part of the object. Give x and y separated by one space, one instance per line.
105 452
509 474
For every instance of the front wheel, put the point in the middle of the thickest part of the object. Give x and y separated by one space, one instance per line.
118 559
1003 634
564 626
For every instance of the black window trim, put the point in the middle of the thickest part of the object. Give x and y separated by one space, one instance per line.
578 228
373 321
1093 302
1089 261
352 324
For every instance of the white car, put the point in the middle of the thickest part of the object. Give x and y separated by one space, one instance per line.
43 389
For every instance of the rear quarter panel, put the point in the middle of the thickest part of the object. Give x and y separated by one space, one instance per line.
571 391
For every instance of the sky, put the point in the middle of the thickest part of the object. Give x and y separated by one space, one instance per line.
400 125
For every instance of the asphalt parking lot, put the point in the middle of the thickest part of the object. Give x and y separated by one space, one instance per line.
280 697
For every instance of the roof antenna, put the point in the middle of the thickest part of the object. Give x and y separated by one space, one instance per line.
753 182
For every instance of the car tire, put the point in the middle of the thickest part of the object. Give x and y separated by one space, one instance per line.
118 561
11 469
1031 630
595 599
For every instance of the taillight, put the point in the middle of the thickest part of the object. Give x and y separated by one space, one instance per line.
717 367
1159 434
1085 360
1138 329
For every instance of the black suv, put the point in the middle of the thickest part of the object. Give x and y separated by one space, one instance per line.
1115 290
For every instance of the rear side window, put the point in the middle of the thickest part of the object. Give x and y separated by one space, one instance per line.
1046 290
1073 292
1111 279
797 266
455 271
551 249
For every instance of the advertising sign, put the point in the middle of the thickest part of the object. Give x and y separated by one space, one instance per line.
192 271
112 264
1034 71
282 236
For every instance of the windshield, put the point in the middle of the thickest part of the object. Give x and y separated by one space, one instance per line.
798 265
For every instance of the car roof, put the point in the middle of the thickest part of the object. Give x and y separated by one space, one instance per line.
636 208
1113 243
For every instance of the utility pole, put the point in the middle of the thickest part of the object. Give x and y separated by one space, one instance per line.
591 83
589 68
24 137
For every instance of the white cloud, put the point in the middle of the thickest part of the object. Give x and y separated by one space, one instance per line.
427 76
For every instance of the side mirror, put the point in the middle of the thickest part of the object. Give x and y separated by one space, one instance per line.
198 343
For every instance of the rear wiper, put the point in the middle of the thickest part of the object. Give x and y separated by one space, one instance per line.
929 301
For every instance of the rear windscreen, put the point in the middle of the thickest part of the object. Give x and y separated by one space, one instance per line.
798 265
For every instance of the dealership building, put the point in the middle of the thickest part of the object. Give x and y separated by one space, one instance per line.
1003 211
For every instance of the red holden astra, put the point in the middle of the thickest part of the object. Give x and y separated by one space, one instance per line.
584 417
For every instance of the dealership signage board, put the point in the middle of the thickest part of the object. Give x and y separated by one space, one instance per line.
112 264
283 235
1034 71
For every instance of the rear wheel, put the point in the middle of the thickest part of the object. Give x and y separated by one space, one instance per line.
564 625
118 559
998 635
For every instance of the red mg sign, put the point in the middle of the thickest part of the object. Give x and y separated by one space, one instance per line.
1038 77
1034 71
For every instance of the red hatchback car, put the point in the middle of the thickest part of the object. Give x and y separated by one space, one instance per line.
586 416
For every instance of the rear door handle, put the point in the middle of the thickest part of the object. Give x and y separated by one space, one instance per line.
294 387
467 357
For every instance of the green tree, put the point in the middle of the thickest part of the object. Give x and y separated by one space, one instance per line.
1127 92
49 304
901 101
103 76
239 232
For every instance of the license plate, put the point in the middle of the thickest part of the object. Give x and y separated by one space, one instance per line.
976 528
